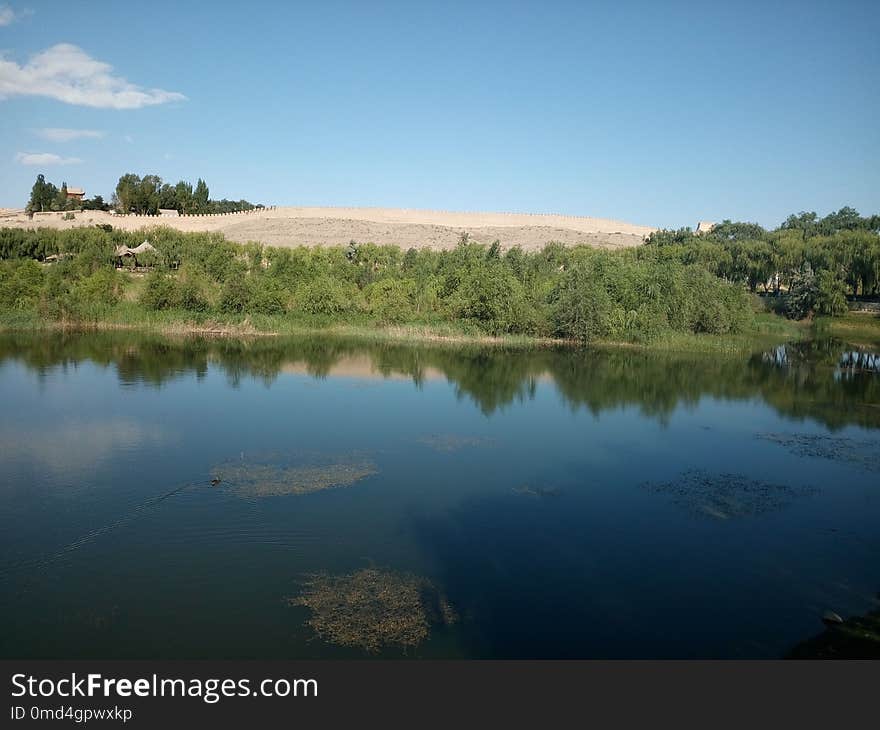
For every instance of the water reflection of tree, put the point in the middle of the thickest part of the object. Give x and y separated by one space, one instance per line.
802 381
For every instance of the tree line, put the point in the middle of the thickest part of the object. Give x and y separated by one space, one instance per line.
815 262
135 194
148 194
569 292
45 197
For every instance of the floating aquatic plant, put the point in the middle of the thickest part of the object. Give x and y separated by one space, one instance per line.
726 496
262 479
373 608
863 453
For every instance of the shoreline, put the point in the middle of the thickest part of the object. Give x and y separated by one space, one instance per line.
413 334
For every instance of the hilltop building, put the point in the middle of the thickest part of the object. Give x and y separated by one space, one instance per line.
76 194
704 227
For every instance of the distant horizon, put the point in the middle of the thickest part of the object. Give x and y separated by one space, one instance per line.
653 115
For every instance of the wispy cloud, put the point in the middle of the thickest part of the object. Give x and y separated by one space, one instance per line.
8 16
60 134
67 73
45 158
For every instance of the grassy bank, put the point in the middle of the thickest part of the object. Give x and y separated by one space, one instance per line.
858 328
769 329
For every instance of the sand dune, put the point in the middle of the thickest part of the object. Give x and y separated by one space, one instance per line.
289 226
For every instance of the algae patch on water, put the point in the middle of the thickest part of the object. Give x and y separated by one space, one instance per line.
372 609
450 442
862 453
270 479
726 496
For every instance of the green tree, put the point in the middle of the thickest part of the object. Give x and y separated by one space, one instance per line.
201 197
805 223
43 195
830 294
492 297
128 191
802 293
183 192
581 306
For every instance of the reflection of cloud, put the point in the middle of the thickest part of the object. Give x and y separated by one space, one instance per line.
75 446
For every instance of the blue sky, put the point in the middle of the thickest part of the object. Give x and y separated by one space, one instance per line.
651 112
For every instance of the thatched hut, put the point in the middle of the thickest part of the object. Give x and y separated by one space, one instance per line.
123 252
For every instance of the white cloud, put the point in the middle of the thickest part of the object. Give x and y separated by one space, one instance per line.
45 158
8 16
59 134
67 73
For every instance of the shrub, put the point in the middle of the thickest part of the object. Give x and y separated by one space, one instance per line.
326 296
220 263
267 297
391 299
581 307
159 292
492 297
20 283
236 296
191 296
103 287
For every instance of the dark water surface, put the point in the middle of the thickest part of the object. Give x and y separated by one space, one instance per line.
565 503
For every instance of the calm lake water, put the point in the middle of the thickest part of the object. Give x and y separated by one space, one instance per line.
566 503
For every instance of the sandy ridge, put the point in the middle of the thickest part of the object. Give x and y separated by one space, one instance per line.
328 226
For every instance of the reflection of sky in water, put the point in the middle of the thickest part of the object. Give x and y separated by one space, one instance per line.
114 543
75 446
